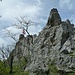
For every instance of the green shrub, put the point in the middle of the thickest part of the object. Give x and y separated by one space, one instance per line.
71 74
4 70
53 69
17 70
21 73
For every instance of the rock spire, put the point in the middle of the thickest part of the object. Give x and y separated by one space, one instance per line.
54 18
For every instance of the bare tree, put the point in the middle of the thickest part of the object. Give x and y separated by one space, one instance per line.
7 56
5 52
10 34
24 24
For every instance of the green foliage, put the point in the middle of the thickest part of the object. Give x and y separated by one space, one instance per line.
26 73
18 68
38 72
3 69
20 64
21 73
71 74
53 69
72 54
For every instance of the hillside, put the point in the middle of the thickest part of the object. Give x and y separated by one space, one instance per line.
52 52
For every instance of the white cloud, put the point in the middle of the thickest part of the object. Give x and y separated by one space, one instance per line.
72 19
35 29
6 38
43 20
34 10
66 4
14 8
14 30
2 41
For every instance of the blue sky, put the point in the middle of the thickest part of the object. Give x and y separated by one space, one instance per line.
36 10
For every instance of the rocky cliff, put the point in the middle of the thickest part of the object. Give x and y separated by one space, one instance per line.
55 44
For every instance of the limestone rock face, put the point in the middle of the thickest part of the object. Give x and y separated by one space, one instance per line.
55 43
54 18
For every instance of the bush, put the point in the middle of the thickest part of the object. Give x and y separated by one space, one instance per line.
71 74
53 69
3 69
17 70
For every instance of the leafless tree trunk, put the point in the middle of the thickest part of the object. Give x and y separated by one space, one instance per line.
11 62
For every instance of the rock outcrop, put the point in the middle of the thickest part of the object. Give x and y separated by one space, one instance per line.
54 44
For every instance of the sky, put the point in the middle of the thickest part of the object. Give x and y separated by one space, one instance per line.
36 10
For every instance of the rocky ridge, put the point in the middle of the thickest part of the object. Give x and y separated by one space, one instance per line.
54 44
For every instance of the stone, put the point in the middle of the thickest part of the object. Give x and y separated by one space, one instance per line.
54 44
54 18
